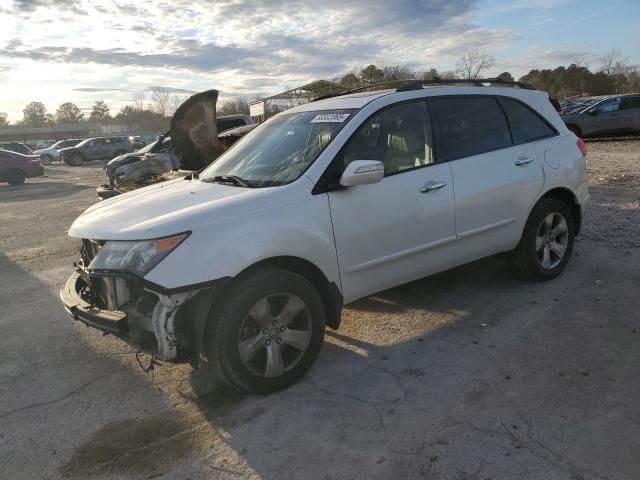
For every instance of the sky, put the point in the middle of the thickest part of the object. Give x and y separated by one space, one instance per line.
55 51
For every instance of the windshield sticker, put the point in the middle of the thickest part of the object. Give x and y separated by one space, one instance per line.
330 118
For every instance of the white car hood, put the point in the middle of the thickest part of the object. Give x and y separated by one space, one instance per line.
165 209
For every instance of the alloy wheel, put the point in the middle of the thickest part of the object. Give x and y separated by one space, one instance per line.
552 238
275 334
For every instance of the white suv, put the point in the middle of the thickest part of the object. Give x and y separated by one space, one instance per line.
241 268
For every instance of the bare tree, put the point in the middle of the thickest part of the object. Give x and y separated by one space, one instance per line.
160 100
138 101
612 61
3 119
474 62
176 101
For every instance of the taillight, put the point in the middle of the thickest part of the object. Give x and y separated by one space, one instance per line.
582 147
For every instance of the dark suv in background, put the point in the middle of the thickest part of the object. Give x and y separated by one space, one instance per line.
619 115
16 147
97 148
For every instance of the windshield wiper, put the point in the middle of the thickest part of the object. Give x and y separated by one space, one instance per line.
228 179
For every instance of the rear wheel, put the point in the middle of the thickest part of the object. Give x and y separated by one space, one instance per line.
15 177
547 241
46 159
76 159
266 332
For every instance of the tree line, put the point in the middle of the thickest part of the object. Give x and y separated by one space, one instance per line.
153 113
613 75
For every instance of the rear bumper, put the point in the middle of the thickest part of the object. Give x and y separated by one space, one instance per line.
113 322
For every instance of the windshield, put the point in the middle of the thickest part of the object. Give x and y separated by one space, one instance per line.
279 151
84 142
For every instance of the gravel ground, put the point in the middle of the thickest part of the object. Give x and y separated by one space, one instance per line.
470 374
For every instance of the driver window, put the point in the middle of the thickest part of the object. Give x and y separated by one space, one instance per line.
400 137
609 106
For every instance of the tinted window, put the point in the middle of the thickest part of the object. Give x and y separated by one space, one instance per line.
525 124
400 137
472 125
629 103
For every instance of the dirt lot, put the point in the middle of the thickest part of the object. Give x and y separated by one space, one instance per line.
412 386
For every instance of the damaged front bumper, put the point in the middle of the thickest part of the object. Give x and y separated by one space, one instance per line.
146 319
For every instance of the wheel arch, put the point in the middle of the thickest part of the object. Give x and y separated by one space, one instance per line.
329 291
202 304
568 197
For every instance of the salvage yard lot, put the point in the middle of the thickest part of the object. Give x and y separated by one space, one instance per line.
470 374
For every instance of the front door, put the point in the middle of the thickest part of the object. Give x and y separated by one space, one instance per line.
603 118
393 231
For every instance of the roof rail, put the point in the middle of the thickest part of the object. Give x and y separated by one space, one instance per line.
408 85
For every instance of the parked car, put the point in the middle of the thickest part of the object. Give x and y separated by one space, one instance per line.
52 153
155 162
16 147
15 167
239 268
619 115
98 148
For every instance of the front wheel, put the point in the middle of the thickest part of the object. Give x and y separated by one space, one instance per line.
267 331
547 242
46 159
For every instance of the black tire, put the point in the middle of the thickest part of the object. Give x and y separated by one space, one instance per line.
15 177
119 152
75 159
46 159
526 258
229 318
575 130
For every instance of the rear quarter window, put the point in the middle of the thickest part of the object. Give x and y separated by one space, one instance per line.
471 126
526 125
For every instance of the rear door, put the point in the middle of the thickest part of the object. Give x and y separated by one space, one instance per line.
630 113
496 180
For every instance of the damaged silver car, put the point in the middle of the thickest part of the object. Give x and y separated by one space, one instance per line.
163 159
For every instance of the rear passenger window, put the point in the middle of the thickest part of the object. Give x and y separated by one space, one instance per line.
629 103
471 126
526 125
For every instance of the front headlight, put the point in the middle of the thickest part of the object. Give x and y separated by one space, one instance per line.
137 257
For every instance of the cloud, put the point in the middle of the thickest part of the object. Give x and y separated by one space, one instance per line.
98 89
159 89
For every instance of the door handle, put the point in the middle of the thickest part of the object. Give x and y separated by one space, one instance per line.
523 161
431 185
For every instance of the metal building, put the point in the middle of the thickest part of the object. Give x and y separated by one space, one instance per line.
264 108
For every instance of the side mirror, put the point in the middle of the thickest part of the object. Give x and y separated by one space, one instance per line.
362 172
593 112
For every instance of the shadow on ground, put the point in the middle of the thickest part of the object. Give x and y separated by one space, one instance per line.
43 190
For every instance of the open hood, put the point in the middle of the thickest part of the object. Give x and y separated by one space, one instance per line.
194 132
